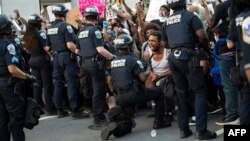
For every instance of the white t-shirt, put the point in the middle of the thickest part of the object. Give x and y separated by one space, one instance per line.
160 67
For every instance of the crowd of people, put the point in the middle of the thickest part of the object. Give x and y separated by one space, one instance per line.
190 58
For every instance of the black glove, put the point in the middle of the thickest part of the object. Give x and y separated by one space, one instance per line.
30 78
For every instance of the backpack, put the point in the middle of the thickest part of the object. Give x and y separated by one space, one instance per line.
168 89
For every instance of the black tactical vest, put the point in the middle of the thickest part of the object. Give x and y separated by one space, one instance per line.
56 34
86 41
243 29
179 31
122 72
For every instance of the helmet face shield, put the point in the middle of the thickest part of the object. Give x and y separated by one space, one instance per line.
91 11
175 3
5 25
124 42
59 10
35 20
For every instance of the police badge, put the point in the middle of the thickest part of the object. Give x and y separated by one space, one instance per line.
70 29
98 34
246 30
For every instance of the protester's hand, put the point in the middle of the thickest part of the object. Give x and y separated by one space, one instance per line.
139 29
154 77
30 78
203 3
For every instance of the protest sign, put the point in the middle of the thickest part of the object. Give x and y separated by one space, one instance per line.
153 10
98 3
50 8
72 16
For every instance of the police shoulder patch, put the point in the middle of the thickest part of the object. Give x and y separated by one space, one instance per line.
17 41
98 34
43 35
246 30
11 48
140 64
14 60
70 29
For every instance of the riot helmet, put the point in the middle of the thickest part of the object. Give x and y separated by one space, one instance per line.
35 20
59 10
5 25
91 11
124 41
172 4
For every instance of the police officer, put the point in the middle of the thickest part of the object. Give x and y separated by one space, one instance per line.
35 44
184 63
61 38
12 106
239 33
125 71
90 47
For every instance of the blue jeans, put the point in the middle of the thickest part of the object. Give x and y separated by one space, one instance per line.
231 97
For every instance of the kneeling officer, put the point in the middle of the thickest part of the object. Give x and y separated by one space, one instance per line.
125 70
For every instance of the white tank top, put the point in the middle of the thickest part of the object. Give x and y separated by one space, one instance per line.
162 66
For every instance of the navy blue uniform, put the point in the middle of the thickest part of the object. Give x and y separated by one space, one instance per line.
12 106
179 31
64 68
42 70
124 72
239 32
89 38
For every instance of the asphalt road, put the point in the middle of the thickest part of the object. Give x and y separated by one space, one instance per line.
66 129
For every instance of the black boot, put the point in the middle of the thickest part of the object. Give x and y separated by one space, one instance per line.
158 124
79 115
62 113
108 131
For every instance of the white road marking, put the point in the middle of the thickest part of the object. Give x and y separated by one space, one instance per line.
219 132
47 117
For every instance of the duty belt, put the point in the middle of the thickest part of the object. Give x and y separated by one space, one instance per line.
177 51
121 91
189 50
90 58
56 52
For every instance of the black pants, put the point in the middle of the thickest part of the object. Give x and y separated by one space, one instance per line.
65 72
244 105
43 74
98 80
128 100
186 80
12 112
